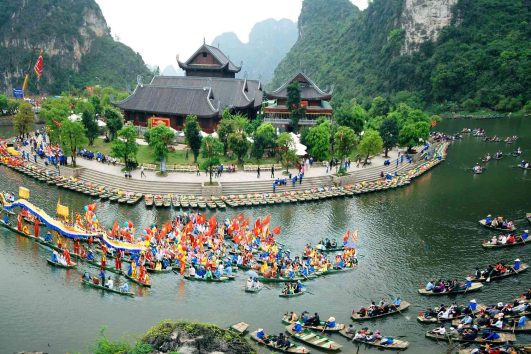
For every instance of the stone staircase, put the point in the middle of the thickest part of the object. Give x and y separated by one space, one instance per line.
265 185
141 186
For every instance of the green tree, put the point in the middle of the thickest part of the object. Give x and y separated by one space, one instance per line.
413 133
345 142
371 143
91 126
389 133
286 150
192 132
4 105
24 120
294 105
318 140
379 107
211 151
72 135
53 112
239 144
264 139
352 116
125 147
96 103
159 138
115 121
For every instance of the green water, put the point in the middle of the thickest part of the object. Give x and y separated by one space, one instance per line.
407 236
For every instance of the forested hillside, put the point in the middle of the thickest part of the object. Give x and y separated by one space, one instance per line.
481 59
78 49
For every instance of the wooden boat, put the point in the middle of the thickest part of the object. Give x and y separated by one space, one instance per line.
208 280
300 293
331 249
256 289
314 339
134 198
175 201
508 273
504 337
240 327
473 287
294 348
505 328
154 270
136 281
101 287
422 319
166 201
59 265
211 205
488 244
403 306
280 280
148 199
396 345
484 223
520 349
185 203
321 328
158 201
334 271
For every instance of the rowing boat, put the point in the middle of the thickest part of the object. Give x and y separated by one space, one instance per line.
136 281
209 280
253 290
280 280
321 328
508 273
505 328
294 348
303 290
504 337
422 319
396 345
313 339
59 265
484 223
488 244
101 287
403 305
155 270
520 349
473 287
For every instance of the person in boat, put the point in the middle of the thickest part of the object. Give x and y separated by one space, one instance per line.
298 287
361 334
522 321
467 320
439 331
102 276
488 220
516 265
110 283
362 312
55 257
490 335
330 323
328 244
260 334
48 237
350 329
396 304
90 255
124 288
430 286
86 276
429 313
377 335
333 244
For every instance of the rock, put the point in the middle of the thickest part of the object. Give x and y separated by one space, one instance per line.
195 338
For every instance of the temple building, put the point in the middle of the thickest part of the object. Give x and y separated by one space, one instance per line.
208 88
313 99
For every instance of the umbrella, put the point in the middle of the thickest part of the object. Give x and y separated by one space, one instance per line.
252 273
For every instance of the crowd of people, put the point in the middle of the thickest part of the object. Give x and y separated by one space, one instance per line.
499 222
383 307
448 286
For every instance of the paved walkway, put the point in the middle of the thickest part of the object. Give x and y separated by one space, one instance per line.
316 171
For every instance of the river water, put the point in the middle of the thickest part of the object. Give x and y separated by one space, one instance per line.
407 236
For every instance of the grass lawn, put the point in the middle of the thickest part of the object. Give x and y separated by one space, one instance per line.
174 158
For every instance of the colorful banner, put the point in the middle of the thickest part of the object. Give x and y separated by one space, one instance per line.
154 121
39 67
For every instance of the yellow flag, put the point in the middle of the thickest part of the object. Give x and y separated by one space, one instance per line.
25 84
23 193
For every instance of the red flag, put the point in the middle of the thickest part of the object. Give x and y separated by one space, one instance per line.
115 228
212 222
346 236
257 223
240 217
276 230
355 236
39 66
266 220
245 223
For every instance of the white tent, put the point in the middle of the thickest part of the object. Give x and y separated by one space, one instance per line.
74 117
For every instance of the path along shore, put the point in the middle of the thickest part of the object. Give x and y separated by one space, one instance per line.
317 183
